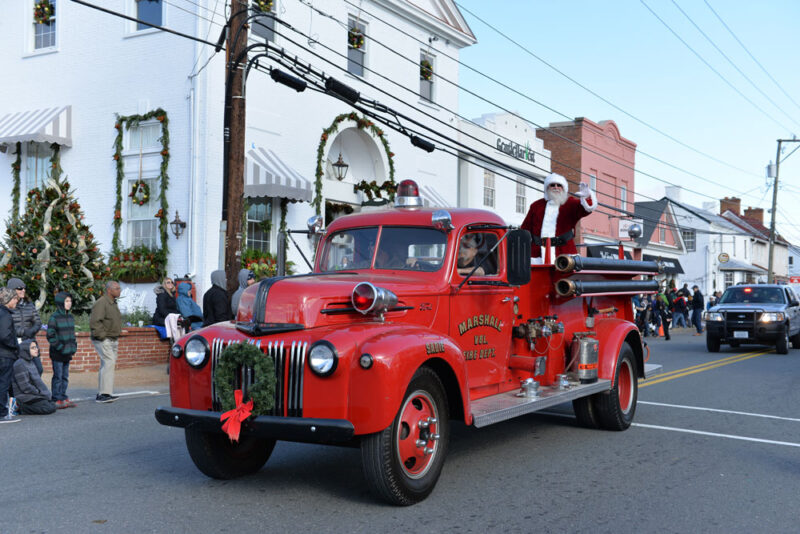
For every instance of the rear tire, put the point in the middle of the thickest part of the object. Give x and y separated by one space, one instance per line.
795 339
615 408
782 344
217 457
712 343
394 464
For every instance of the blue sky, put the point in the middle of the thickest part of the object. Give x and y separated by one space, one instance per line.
622 52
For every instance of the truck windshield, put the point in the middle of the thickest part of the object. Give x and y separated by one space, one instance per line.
412 249
752 295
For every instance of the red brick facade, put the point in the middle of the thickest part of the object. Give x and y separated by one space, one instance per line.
137 347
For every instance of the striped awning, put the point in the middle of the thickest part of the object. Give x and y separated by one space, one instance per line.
49 125
266 175
432 198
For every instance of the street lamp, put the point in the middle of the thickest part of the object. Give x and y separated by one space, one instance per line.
177 225
340 168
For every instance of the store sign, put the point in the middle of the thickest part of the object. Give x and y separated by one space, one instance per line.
723 257
515 150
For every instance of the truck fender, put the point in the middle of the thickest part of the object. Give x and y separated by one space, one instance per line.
375 394
611 334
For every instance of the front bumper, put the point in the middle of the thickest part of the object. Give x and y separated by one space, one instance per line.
299 429
764 332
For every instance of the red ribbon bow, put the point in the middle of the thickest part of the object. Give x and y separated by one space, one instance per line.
235 417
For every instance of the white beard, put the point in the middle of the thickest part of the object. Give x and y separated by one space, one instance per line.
557 197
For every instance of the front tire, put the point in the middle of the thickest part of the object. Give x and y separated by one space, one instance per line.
615 408
712 343
782 344
403 462
217 457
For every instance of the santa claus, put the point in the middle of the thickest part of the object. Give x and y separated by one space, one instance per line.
555 216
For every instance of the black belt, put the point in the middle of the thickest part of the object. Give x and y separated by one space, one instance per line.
559 241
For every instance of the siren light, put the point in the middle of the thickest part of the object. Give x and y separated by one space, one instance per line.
407 195
368 298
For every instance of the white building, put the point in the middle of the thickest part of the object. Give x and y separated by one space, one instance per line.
87 67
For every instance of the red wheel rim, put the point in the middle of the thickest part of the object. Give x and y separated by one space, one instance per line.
416 435
625 386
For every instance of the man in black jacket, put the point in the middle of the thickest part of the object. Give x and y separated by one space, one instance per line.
26 319
697 310
216 307
9 348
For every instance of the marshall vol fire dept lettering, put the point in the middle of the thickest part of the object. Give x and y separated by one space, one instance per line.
479 320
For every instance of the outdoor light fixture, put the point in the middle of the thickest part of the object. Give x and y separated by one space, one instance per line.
340 168
178 226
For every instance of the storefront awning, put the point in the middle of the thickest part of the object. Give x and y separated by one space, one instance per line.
671 265
431 197
49 125
739 265
601 251
266 175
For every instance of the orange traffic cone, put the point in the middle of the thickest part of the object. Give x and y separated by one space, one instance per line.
661 330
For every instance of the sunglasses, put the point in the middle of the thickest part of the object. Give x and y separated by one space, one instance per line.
556 185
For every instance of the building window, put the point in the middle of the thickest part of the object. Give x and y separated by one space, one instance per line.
44 35
791 260
139 143
488 188
522 202
689 237
264 26
623 198
37 164
593 182
259 224
356 48
662 234
426 76
148 11
728 279
142 225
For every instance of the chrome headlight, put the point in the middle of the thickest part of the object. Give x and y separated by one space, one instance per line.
176 350
322 358
196 352
772 317
712 316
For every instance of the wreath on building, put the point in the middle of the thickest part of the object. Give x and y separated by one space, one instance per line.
43 12
265 6
362 123
355 38
426 70
140 193
262 392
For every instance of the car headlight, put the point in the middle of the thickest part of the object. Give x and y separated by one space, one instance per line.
772 317
176 350
196 352
322 358
713 316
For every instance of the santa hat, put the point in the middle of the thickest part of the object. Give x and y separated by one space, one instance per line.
553 178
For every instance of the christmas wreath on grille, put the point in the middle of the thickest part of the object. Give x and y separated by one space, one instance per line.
140 192
262 393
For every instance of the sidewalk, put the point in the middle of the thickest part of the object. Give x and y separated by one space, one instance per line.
83 386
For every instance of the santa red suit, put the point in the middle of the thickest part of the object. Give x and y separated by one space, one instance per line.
555 217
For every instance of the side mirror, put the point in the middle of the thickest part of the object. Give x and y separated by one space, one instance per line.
315 225
518 260
794 303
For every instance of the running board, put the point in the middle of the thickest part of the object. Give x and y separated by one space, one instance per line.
504 406
651 369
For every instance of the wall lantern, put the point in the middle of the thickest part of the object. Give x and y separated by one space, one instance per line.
178 226
340 168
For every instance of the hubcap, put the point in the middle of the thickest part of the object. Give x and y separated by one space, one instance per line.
625 386
417 434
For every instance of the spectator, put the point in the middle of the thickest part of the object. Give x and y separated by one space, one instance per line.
640 307
188 308
216 307
246 279
26 318
63 345
697 310
32 395
9 349
165 301
685 291
106 325
662 305
679 311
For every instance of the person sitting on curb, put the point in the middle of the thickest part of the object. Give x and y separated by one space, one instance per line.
31 393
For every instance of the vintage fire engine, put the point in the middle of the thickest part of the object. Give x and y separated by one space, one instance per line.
413 317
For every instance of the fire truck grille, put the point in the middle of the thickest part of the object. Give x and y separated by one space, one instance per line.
289 360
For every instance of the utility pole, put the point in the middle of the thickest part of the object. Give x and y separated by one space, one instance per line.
233 176
770 274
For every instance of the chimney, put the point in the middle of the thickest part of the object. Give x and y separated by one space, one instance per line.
732 204
755 213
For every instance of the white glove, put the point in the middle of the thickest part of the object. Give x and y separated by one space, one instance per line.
583 191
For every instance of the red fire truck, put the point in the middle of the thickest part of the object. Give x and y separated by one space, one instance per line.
413 317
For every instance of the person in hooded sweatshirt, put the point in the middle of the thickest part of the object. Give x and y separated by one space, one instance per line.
63 345
26 317
32 395
216 306
165 301
246 279
188 308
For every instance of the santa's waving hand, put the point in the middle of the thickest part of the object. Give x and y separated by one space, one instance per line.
556 215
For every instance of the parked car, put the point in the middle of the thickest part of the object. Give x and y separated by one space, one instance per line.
763 314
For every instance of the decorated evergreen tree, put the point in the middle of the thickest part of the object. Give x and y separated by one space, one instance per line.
51 249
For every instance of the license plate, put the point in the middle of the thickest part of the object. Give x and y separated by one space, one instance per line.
740 334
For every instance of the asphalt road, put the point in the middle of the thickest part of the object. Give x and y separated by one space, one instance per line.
715 447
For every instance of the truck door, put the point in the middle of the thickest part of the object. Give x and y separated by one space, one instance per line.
481 311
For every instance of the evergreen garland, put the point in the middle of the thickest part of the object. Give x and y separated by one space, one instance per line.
362 123
15 167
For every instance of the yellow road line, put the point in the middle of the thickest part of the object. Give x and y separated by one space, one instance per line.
706 364
700 368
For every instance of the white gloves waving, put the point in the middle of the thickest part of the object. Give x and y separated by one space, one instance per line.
583 191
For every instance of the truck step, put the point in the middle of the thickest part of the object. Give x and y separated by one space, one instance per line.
652 369
497 408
